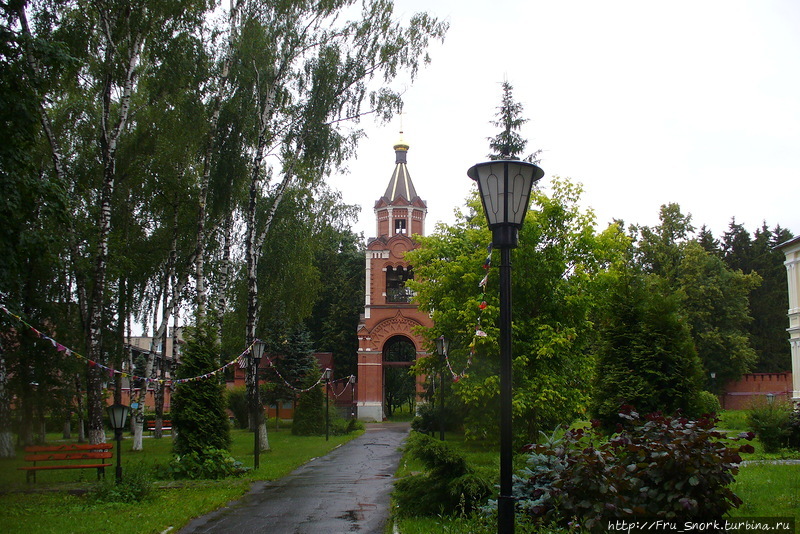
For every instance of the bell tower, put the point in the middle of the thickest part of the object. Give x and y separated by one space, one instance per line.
386 340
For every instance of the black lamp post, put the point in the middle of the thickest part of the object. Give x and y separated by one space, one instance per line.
327 376
117 415
505 190
256 352
352 396
442 346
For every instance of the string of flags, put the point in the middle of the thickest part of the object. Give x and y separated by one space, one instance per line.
479 333
241 360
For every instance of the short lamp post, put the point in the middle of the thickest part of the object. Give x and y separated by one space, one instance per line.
505 191
117 416
327 375
256 352
442 347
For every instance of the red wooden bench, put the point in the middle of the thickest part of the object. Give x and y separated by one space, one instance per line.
82 456
165 425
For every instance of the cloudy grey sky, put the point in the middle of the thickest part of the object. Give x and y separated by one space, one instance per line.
643 102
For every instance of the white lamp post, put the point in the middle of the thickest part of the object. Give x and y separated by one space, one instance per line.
256 352
505 190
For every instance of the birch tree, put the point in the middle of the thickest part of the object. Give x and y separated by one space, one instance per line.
307 69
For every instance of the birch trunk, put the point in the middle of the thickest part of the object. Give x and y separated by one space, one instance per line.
222 83
252 253
225 267
141 397
109 137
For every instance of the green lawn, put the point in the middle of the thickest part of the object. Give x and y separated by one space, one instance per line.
57 503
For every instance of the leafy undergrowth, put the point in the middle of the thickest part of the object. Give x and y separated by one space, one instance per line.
766 489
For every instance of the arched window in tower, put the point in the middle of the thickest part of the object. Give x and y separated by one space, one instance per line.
400 227
396 290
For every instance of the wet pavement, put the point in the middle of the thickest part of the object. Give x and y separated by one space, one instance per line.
345 491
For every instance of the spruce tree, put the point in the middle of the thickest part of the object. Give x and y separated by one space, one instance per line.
509 144
646 356
301 369
198 406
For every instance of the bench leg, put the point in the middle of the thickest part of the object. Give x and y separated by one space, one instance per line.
101 471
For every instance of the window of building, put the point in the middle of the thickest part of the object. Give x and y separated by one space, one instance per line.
400 226
396 290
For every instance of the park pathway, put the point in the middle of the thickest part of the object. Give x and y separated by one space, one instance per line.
345 491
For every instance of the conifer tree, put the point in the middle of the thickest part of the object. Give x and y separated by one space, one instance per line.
509 144
198 406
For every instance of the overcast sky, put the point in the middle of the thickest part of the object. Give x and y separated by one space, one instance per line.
643 102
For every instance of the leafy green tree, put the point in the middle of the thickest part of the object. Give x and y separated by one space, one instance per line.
554 292
645 352
714 299
199 406
305 74
660 249
713 296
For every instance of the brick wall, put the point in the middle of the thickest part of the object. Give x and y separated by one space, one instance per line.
754 388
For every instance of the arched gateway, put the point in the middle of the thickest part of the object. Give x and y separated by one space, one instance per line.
386 337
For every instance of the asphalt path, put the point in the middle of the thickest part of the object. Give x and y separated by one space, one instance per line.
345 491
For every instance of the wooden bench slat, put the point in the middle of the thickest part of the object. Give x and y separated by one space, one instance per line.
69 447
76 466
61 456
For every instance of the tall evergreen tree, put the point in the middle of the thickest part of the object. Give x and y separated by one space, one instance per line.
509 143
769 301
645 354
737 247
301 367
334 321
709 243
198 406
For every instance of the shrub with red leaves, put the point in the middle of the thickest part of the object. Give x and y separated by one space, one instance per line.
656 467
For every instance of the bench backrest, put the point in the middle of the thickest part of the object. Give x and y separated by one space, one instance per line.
70 447
60 456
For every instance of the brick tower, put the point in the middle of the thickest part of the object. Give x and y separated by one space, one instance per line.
385 334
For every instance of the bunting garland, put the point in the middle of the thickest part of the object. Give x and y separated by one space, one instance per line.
241 360
479 333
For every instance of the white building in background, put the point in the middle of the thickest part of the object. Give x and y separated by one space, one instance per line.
791 249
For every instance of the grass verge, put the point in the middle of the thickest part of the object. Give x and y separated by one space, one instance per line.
57 502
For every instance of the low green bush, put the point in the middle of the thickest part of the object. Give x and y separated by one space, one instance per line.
237 404
340 426
706 403
136 485
448 486
208 464
428 419
794 429
659 467
770 422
